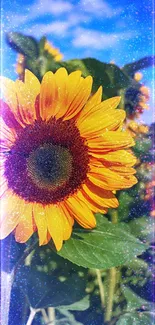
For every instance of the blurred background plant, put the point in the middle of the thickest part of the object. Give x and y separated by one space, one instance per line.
52 288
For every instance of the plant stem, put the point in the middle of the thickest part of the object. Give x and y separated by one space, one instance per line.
111 291
51 315
111 279
31 316
101 287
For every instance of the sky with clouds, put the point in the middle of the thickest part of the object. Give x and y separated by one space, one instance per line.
114 30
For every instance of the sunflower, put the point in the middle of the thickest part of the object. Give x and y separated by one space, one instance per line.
62 155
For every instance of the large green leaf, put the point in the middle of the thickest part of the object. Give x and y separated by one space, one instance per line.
142 318
105 246
26 45
80 305
43 290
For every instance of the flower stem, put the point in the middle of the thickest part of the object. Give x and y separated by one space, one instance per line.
51 315
101 287
111 291
112 273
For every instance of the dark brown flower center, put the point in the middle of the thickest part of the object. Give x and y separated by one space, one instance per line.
49 166
48 161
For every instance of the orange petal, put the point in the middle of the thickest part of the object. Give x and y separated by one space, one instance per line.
80 211
41 222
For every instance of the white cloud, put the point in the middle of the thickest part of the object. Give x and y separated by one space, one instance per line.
86 38
55 7
57 28
100 8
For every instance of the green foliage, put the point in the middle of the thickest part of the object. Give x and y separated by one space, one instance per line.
43 290
104 247
143 228
25 45
136 318
133 67
134 301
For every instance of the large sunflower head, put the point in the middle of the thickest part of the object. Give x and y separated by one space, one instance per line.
62 155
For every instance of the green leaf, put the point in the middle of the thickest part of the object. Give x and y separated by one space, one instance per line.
143 228
25 45
69 318
42 44
104 247
134 301
142 318
137 265
125 201
80 305
43 290
143 63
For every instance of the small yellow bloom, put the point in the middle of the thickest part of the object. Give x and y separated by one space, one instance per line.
53 51
138 76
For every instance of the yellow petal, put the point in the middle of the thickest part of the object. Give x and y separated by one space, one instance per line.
95 207
32 83
110 141
26 102
99 122
80 99
41 222
67 228
108 179
80 211
95 105
48 96
55 224
119 157
100 196
24 229
73 83
61 77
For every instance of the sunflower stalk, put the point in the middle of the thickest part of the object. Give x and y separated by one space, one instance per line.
112 275
101 287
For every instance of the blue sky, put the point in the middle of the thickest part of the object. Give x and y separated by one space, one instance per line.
120 31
